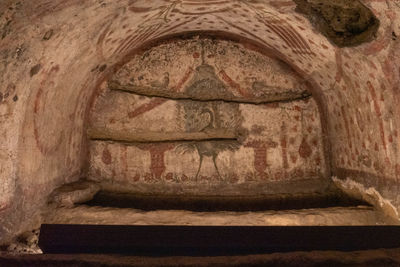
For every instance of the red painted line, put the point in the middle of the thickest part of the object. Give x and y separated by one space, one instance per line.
157 151
278 31
38 96
305 47
339 62
3 207
262 41
203 13
139 9
100 41
284 146
235 85
205 3
184 79
260 153
123 43
124 161
374 97
346 124
136 38
146 107
153 29
176 26
285 36
378 113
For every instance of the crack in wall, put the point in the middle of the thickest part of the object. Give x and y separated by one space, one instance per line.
148 93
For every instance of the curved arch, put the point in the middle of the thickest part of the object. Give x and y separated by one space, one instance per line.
312 85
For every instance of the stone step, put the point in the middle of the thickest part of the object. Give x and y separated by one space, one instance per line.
215 203
357 215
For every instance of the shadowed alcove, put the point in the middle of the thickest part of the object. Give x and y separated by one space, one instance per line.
207 124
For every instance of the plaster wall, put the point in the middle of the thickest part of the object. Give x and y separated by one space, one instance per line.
215 120
282 143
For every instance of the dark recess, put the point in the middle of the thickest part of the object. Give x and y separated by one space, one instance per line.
223 203
343 22
35 70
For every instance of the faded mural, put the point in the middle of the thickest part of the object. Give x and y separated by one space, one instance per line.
189 111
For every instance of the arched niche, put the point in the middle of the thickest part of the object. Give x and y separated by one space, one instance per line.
207 116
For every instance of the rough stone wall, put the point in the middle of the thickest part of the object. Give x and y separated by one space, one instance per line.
213 125
364 108
41 150
56 53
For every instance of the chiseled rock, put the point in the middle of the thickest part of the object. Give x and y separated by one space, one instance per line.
74 193
360 215
345 23
26 243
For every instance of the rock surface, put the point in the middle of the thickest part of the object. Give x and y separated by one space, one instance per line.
27 243
74 193
361 215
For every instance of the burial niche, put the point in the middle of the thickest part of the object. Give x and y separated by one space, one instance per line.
206 116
